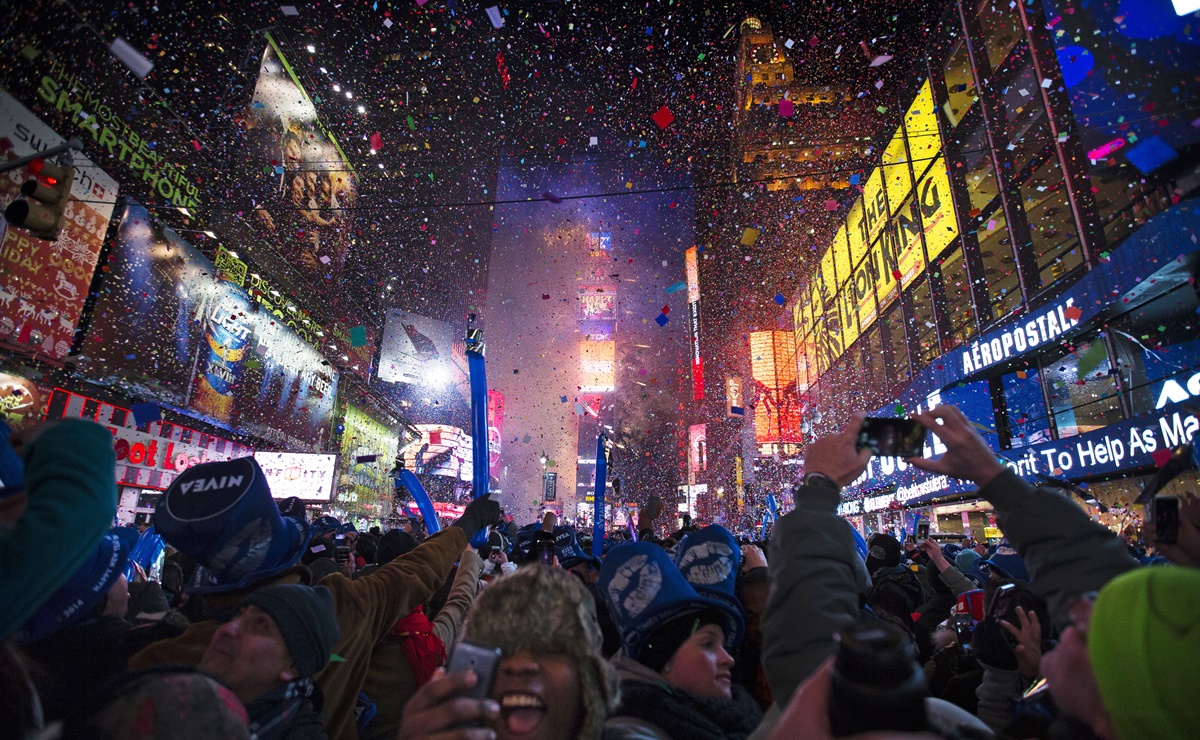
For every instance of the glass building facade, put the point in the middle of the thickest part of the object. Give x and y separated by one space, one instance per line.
1025 248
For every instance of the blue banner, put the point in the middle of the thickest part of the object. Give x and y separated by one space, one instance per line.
598 511
479 427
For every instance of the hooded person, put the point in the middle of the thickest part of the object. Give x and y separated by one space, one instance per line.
278 639
675 663
895 587
552 682
222 515
586 567
79 636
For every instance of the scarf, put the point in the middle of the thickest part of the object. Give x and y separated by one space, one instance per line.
683 714
423 650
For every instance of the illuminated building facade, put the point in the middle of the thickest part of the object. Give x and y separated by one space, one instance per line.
1025 247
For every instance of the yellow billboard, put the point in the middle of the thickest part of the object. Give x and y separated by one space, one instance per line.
874 207
848 308
841 255
863 287
897 179
905 231
883 267
937 209
854 232
921 127
827 283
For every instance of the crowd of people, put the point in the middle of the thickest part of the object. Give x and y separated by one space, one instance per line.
259 623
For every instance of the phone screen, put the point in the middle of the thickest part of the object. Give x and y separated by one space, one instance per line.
922 531
892 437
964 630
1166 520
546 552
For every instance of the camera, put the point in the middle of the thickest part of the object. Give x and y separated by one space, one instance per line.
892 437
876 683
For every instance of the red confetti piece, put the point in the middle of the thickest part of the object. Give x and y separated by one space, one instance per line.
663 117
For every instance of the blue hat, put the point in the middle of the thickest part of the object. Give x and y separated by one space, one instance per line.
324 525
74 601
710 559
1006 562
644 591
346 528
221 515
965 560
568 550
524 539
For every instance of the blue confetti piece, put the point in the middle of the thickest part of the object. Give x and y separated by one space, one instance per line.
662 319
562 399
681 285
780 299
854 179
144 413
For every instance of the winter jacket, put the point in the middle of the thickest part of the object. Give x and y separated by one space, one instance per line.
819 584
997 692
652 708
70 483
390 683
288 713
366 609
1066 553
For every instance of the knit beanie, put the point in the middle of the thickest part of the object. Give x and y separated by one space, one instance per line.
306 617
660 647
394 544
1144 642
883 551
549 611
965 560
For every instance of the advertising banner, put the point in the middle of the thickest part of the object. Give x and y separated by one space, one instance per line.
597 366
440 450
21 401
302 187
368 454
777 412
43 284
148 456
937 210
495 430
202 346
416 349
734 404
692 270
697 448
897 179
549 486
307 476
921 130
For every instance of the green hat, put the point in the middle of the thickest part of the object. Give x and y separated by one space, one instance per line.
1144 645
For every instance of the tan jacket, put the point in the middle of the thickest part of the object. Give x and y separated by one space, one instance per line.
390 683
366 609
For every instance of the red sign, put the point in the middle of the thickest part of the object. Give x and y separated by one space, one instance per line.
495 425
149 456
43 285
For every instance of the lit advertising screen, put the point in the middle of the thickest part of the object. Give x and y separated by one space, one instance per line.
440 450
772 364
921 130
303 188
416 349
44 284
368 453
307 476
692 273
597 365
168 329
937 209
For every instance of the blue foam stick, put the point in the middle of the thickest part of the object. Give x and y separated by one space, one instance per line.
407 479
598 511
479 431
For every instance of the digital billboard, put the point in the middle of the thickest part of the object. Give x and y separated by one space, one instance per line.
167 328
597 366
368 453
495 430
697 448
777 411
44 284
416 349
301 184
440 450
307 476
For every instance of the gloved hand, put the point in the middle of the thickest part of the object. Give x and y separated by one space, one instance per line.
480 513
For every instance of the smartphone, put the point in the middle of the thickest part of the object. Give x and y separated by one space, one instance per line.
545 552
483 661
343 554
1001 601
964 630
1165 519
892 437
922 532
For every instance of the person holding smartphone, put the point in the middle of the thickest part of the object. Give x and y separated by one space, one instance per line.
550 680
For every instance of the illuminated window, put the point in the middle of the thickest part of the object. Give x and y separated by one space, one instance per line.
1000 23
960 84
